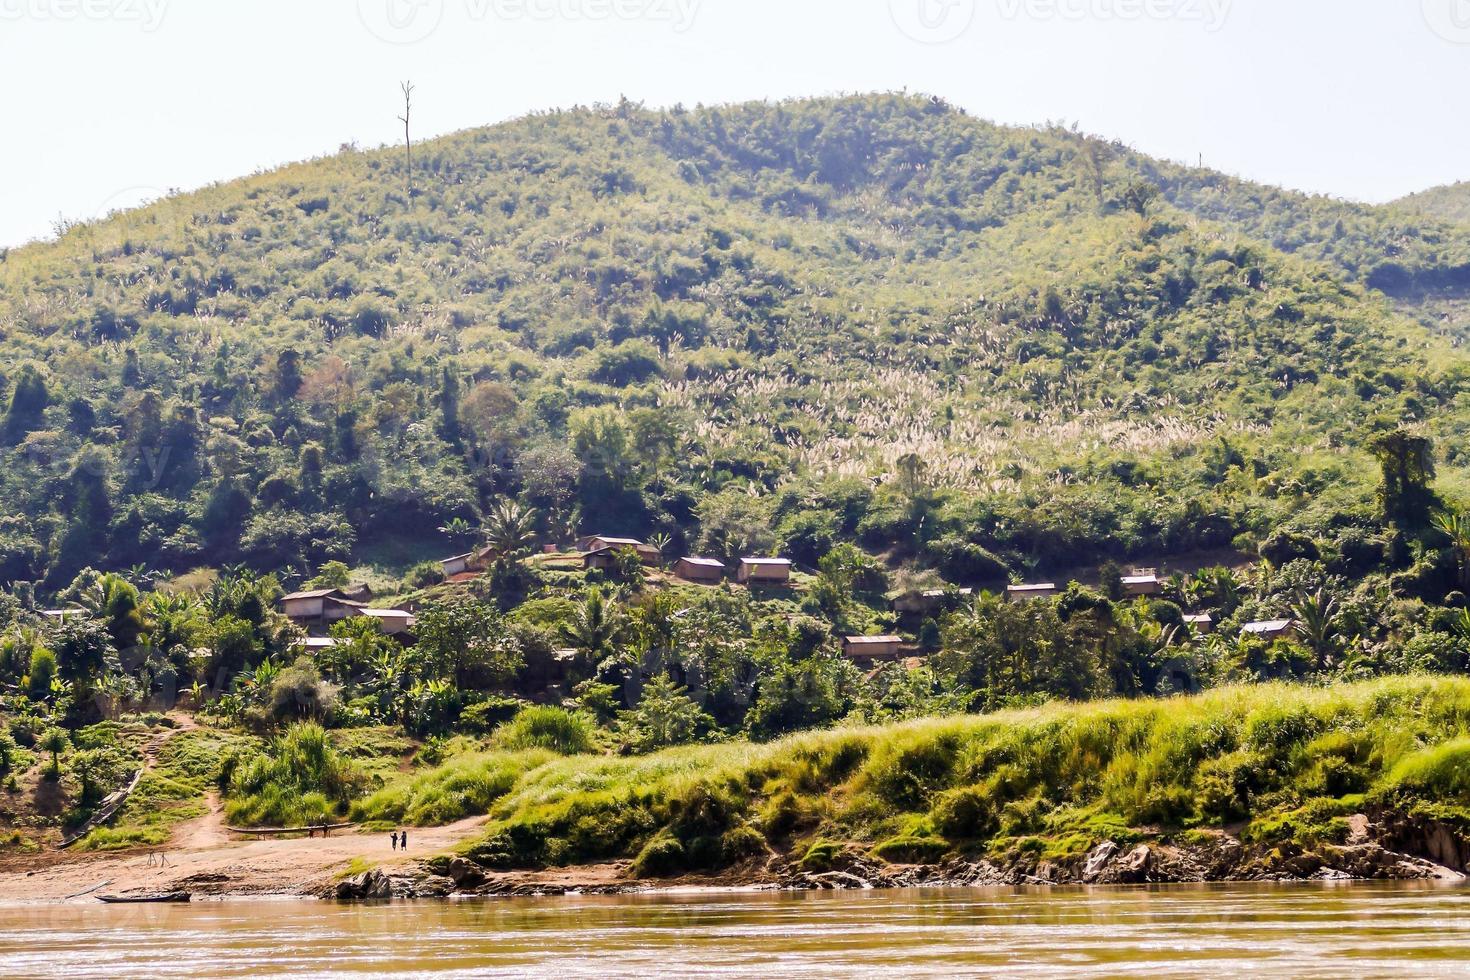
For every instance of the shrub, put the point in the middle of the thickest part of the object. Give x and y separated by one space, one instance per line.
966 813
821 855
484 716
299 779
912 849
1439 773
660 857
542 727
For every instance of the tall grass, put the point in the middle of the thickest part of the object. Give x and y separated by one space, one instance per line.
299 778
465 786
1271 760
543 727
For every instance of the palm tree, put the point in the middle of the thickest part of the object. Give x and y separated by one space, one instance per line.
1316 624
510 529
594 626
662 542
1456 526
456 528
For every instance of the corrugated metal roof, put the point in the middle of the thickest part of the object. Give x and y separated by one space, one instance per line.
311 594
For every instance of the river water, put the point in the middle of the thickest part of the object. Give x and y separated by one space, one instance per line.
1188 931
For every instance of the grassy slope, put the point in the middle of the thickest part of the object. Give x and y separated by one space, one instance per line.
1272 761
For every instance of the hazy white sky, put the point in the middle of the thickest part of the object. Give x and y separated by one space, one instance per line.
112 101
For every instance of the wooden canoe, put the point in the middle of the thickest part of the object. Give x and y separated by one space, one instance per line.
147 897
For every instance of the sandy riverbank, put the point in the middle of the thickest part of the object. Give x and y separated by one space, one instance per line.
208 860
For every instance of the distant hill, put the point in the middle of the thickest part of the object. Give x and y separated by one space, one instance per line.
753 327
1448 203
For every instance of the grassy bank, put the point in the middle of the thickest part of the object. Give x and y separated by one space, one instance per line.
1273 762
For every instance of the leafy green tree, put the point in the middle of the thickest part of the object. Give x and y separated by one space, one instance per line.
8 751
1407 462
332 575
466 642
1454 523
28 400
41 674
54 741
664 716
510 529
793 696
233 646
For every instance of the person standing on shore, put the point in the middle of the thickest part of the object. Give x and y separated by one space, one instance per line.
394 835
403 838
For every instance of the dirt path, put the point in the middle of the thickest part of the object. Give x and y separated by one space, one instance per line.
204 832
209 861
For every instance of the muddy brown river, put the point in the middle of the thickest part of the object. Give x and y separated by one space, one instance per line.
1185 931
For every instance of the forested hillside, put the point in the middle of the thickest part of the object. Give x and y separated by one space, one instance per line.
1448 203
755 327
919 355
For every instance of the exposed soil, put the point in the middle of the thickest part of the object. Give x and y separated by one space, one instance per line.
208 860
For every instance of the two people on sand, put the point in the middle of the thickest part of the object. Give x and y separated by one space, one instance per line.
399 837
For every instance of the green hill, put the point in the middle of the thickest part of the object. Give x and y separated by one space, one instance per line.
1448 203
750 327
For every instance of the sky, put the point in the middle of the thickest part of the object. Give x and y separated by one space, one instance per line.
115 102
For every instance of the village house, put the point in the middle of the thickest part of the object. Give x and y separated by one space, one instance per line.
1200 622
647 553
319 606
1033 591
764 571
603 558
924 601
1143 581
357 592
700 569
457 564
469 563
869 649
60 616
393 622
1270 629
317 609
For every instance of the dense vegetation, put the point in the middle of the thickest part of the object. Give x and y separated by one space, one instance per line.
908 349
725 325
1288 764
